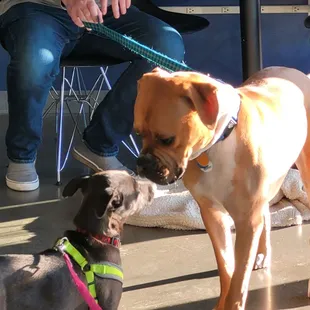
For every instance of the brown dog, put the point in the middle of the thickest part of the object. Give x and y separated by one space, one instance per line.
183 116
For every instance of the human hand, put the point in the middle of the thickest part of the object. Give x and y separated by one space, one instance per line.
119 7
84 10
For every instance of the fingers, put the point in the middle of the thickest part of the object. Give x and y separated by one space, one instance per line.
123 6
115 9
84 15
75 16
104 7
93 12
87 11
119 7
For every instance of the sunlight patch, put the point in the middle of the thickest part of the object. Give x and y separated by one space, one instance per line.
14 232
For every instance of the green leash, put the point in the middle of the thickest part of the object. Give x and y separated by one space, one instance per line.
134 46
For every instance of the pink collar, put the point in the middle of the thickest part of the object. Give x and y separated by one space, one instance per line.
115 241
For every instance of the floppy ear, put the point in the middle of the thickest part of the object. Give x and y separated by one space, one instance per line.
110 199
75 184
209 99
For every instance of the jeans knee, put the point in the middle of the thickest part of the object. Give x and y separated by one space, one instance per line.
33 68
168 41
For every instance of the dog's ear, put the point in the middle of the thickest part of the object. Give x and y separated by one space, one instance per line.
75 184
209 99
111 199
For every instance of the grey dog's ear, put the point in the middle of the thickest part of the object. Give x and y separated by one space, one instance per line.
111 198
75 184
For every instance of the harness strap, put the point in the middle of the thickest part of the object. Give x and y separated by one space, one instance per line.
107 270
91 302
104 270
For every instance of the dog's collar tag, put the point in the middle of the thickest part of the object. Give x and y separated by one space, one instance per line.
204 163
206 168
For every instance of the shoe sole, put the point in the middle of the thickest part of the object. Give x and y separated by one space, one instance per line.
90 164
22 186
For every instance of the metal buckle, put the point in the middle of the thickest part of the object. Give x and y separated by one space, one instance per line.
60 244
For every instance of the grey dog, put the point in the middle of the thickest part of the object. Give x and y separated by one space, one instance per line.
43 281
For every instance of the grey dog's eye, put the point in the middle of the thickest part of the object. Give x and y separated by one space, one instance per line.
116 204
167 141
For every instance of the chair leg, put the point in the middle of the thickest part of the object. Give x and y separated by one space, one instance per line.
59 113
82 99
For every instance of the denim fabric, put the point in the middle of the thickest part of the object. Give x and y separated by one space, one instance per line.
38 36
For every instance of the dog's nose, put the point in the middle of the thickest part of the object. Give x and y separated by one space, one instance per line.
145 163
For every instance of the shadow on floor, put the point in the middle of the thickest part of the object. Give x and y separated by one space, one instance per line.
43 216
189 277
291 295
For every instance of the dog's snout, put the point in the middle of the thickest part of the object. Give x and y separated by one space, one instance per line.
145 163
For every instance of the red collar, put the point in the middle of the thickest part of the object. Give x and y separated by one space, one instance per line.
115 241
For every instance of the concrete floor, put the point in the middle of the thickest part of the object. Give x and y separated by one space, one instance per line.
164 269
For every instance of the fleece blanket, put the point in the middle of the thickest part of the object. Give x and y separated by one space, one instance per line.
175 208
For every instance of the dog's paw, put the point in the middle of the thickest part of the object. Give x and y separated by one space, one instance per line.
262 261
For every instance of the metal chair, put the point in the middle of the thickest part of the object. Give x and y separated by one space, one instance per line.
87 101
90 98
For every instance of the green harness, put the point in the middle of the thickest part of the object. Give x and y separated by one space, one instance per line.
105 270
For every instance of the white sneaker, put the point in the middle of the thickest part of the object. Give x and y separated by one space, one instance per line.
22 177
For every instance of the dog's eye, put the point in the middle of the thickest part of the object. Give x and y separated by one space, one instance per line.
167 141
116 204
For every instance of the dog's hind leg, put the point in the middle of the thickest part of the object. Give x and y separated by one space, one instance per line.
263 257
219 230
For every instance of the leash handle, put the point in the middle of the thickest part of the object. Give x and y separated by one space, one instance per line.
81 286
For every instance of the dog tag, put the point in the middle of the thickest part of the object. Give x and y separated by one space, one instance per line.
204 163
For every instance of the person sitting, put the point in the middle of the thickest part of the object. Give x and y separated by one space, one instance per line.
37 35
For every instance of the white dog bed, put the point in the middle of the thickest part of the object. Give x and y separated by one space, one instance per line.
175 208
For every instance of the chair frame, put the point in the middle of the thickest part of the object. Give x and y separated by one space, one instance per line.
84 98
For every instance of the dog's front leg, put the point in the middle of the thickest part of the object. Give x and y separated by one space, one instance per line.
249 228
219 230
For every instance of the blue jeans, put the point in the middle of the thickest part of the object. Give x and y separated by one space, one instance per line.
37 37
